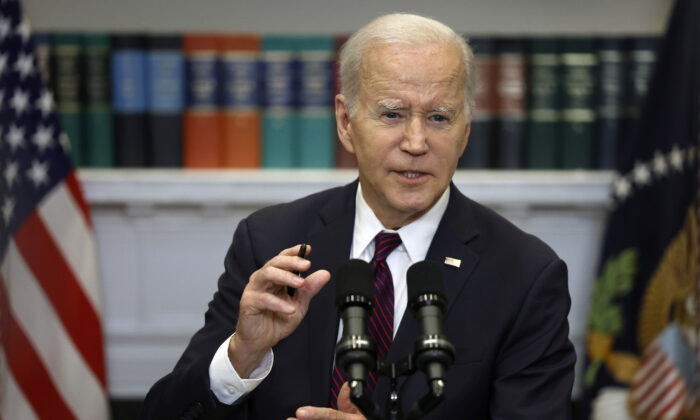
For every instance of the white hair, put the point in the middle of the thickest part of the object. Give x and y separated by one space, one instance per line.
401 28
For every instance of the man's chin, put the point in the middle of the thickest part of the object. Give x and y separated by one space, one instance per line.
412 209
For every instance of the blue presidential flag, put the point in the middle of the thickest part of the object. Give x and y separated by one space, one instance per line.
641 358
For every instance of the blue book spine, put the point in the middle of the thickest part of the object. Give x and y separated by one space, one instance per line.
280 123
609 100
240 73
129 99
316 116
166 98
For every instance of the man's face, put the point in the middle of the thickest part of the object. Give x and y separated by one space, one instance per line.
409 127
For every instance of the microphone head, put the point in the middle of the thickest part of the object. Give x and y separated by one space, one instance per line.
354 283
425 278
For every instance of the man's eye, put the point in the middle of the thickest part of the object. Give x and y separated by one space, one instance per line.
391 115
438 118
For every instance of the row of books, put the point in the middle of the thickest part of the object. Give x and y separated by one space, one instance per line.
246 100
553 103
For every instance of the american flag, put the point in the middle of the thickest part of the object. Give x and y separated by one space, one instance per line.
51 351
662 386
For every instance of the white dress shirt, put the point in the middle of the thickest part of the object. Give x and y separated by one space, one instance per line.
416 237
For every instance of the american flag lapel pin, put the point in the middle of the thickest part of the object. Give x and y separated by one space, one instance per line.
454 262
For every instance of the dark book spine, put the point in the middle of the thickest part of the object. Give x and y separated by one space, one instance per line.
478 153
166 92
579 63
42 48
609 100
544 103
67 80
511 90
129 100
98 125
641 58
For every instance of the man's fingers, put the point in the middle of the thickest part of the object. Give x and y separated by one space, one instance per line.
282 269
270 275
344 403
261 301
312 284
295 250
320 413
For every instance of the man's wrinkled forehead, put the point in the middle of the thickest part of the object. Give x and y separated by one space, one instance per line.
384 66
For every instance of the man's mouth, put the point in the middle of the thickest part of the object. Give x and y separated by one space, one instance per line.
411 174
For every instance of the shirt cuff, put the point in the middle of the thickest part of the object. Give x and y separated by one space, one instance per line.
225 382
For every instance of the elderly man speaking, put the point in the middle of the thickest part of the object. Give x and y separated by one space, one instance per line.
405 109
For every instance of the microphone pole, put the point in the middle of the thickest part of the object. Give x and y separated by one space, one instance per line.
355 352
433 352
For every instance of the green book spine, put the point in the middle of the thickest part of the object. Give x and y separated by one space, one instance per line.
544 99
316 116
67 79
280 121
98 122
579 65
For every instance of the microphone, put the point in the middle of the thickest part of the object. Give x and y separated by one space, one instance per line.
426 296
355 353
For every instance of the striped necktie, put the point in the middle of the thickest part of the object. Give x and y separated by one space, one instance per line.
381 321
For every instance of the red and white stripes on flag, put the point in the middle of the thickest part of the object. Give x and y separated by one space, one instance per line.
51 348
51 335
660 389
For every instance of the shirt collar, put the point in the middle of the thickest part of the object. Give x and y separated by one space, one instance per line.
415 236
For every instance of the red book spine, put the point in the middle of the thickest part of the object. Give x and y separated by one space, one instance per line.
202 128
240 74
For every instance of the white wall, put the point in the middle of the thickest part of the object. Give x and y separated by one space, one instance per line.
318 16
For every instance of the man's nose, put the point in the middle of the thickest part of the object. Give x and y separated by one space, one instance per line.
415 139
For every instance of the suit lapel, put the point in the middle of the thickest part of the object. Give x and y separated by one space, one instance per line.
330 247
456 229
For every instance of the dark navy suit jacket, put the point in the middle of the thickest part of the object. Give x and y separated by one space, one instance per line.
506 316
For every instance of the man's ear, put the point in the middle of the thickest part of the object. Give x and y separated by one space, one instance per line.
342 121
466 138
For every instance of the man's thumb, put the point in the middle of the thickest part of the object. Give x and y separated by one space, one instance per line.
344 403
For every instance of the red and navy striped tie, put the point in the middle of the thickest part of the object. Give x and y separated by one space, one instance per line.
381 321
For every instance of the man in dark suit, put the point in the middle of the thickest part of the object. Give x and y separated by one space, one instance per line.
404 111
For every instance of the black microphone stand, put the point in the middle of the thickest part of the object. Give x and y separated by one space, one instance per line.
427 348
356 353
